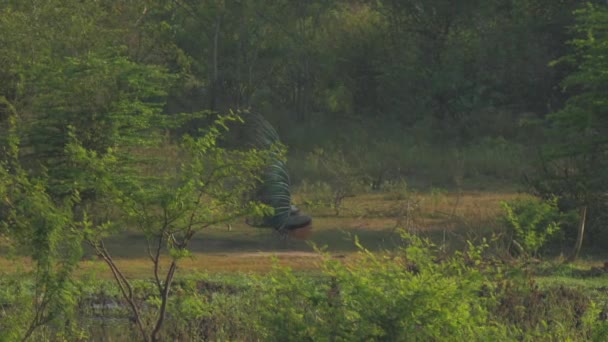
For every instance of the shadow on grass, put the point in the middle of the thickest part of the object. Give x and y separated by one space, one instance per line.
133 245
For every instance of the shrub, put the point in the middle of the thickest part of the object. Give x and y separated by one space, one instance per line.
396 190
341 178
556 313
315 194
419 294
533 222
406 296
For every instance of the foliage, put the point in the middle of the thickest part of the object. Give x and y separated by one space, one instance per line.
340 175
78 69
573 157
397 190
97 88
553 313
436 74
407 296
110 99
315 194
534 222
48 232
575 154
420 294
168 200
415 293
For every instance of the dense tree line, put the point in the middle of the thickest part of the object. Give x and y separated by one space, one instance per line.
396 73
454 68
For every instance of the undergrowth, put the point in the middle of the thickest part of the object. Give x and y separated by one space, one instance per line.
417 292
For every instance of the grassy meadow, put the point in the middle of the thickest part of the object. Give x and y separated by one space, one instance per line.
449 218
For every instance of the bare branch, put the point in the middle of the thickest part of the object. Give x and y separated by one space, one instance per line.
143 15
123 284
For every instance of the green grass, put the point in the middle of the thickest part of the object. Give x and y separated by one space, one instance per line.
599 283
447 218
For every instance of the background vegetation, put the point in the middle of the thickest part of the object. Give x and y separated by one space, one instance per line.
122 145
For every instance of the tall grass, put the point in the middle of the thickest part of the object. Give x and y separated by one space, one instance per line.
489 164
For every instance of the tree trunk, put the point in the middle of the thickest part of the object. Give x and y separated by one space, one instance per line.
581 232
215 75
165 298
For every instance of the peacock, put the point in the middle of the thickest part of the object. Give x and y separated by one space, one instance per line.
275 188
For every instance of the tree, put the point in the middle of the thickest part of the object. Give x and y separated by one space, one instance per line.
575 159
170 197
36 225
84 65
97 157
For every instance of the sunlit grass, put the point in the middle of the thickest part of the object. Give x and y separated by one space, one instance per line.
375 218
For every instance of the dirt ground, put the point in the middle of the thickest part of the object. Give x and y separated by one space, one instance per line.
375 219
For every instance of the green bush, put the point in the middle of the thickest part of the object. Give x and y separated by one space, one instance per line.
407 296
340 179
396 190
315 194
414 294
419 294
533 222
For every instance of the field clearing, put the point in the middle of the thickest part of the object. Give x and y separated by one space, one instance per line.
375 218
